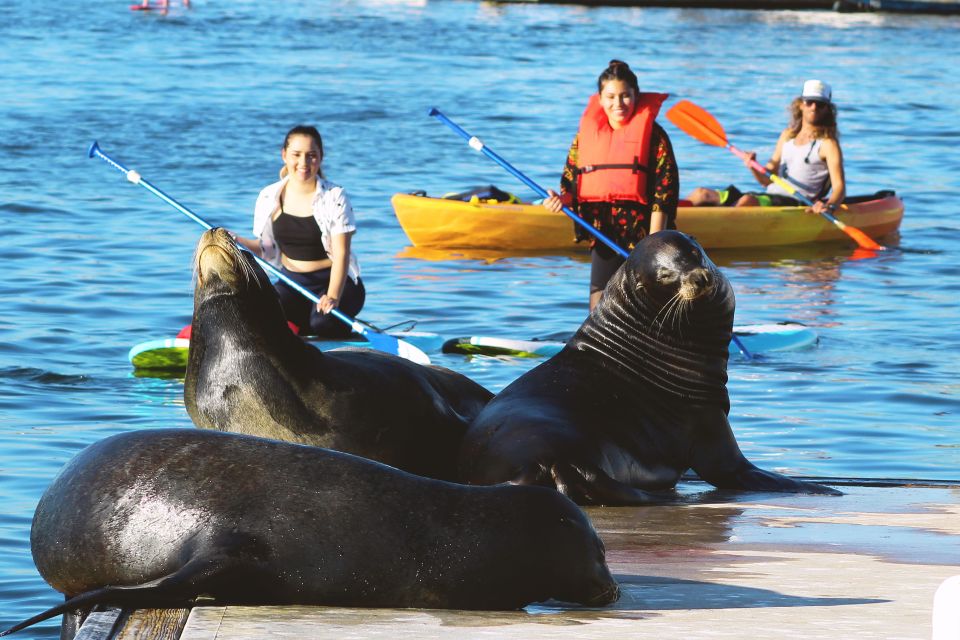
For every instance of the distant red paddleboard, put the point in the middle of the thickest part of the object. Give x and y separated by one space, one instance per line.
149 7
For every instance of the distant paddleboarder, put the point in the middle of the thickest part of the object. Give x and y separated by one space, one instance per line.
159 5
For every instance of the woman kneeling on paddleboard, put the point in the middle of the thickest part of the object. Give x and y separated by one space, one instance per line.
304 224
807 155
621 175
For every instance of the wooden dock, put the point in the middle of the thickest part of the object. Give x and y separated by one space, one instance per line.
865 565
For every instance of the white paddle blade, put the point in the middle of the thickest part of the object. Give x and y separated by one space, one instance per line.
410 352
389 344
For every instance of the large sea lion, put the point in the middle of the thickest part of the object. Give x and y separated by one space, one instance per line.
636 398
248 373
160 518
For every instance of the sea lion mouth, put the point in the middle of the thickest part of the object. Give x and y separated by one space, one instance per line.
696 283
605 597
217 257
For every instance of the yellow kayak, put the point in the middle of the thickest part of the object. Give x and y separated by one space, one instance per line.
454 224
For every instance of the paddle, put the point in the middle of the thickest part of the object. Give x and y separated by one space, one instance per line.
477 145
378 340
700 124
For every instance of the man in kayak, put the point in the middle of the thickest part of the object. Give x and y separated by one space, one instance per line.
807 155
620 175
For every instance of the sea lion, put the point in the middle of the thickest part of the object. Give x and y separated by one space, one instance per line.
248 373
637 397
162 517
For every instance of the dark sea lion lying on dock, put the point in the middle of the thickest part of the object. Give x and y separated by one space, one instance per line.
159 518
248 373
636 398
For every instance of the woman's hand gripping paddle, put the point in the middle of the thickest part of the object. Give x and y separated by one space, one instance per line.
378 340
700 124
477 145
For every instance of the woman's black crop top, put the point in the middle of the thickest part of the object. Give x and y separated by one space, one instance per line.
299 238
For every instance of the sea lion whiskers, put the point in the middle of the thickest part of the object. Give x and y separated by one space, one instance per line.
669 311
696 283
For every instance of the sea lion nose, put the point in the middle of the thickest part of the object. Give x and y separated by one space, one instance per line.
699 278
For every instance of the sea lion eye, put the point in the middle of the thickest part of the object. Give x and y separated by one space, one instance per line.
665 274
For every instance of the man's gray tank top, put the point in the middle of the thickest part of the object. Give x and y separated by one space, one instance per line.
802 167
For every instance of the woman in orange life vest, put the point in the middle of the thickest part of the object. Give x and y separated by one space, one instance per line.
304 225
621 175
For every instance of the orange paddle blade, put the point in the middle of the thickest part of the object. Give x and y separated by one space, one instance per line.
862 239
698 123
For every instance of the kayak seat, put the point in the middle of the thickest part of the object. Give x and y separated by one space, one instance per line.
489 194
879 195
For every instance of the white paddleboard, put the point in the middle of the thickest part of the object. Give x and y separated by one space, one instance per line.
755 338
170 355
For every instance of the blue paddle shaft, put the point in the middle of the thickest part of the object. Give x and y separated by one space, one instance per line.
476 144
380 340
135 178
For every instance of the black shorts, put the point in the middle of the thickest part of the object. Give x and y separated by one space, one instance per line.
604 262
303 312
731 194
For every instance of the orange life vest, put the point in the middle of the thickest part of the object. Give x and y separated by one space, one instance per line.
612 163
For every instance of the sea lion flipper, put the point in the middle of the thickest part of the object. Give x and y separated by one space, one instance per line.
163 592
594 487
83 601
749 477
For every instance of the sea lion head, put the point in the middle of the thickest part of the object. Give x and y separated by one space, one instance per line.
666 318
218 262
668 283
673 269
228 277
582 576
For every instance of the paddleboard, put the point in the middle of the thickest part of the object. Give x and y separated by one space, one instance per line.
170 355
756 338
156 6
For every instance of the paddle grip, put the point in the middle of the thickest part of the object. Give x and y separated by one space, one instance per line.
475 143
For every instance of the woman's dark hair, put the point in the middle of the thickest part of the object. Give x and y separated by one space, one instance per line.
618 70
304 130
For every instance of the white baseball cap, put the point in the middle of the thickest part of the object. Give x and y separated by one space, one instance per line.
816 90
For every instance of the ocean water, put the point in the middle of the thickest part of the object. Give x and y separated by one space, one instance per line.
198 102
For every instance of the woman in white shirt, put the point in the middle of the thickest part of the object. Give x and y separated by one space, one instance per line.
304 225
